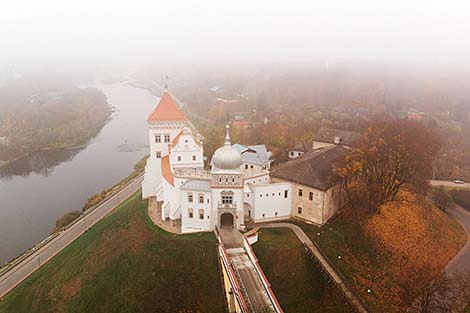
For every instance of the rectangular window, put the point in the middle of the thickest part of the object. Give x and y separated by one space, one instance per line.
201 198
190 197
201 214
246 166
194 158
227 199
179 158
167 138
158 138
299 210
158 154
310 196
190 213
301 192
286 192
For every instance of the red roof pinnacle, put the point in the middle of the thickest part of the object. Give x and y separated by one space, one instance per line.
166 110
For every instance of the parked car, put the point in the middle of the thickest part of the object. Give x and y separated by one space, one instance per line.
459 181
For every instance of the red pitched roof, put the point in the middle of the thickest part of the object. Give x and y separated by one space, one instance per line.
166 110
166 170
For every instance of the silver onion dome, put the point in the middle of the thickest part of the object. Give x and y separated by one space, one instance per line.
226 157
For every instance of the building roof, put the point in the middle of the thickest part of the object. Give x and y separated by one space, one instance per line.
166 110
196 184
166 170
315 168
347 138
257 154
302 146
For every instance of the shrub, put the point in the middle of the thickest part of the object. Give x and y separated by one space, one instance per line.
66 219
441 199
461 197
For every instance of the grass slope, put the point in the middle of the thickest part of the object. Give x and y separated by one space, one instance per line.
393 252
297 283
125 264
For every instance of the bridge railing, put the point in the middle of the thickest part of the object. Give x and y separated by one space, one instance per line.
231 274
262 276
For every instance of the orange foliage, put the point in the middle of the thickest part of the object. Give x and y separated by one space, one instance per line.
413 228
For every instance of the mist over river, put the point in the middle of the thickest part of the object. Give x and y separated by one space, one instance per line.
36 191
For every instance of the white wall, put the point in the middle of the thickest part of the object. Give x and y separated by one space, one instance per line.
320 144
238 202
270 199
257 179
195 224
186 148
153 176
295 154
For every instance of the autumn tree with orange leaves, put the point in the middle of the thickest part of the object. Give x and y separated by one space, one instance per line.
390 154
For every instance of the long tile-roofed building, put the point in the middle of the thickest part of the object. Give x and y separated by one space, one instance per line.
314 169
337 136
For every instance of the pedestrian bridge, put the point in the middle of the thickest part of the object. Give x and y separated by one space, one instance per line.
247 288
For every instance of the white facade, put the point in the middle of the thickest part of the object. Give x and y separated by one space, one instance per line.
237 189
295 154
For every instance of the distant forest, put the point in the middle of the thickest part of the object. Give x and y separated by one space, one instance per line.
292 102
42 114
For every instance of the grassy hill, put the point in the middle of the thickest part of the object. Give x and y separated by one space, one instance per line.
298 284
394 252
125 264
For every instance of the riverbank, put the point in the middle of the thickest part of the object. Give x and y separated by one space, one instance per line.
83 277
67 121
37 190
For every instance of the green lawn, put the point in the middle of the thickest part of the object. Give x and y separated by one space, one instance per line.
126 264
298 284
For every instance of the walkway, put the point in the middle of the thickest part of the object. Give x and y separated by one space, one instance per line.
17 273
461 261
249 279
154 211
338 279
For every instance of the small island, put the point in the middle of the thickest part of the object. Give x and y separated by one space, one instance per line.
51 121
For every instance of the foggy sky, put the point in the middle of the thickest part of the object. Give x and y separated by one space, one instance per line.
433 32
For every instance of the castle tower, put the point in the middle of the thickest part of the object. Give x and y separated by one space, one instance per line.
227 185
165 123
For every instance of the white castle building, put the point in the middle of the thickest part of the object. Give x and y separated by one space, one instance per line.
236 189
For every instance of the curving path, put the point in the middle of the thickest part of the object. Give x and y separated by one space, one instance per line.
338 279
461 261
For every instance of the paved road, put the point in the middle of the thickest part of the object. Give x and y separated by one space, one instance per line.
22 270
348 292
461 261
448 183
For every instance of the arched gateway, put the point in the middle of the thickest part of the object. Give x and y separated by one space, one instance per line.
226 220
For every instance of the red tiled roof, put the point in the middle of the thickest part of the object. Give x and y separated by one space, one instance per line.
166 110
166 170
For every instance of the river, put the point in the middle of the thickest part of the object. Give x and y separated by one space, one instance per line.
35 192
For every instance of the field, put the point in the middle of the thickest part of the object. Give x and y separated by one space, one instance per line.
297 283
125 264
